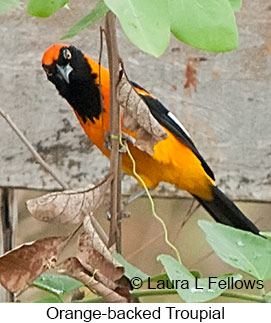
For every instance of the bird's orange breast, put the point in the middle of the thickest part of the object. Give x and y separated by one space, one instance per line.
172 161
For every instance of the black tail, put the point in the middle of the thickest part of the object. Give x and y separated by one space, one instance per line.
223 210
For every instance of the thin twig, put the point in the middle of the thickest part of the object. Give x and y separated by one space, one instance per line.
72 234
161 292
115 156
188 215
44 164
32 149
202 258
145 245
99 229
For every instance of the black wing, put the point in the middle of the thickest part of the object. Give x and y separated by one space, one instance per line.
166 119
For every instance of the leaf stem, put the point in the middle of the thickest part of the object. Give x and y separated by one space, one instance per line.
161 292
245 297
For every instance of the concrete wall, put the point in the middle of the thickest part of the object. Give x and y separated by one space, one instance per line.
229 117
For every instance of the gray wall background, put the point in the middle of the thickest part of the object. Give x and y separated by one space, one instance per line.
229 117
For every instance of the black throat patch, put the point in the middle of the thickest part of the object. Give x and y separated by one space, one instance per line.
81 92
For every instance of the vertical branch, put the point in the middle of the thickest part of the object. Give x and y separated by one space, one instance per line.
8 218
115 157
8 224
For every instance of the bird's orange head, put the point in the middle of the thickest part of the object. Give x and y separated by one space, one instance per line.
52 53
60 60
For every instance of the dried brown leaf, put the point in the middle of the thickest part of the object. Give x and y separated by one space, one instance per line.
68 206
22 265
73 267
97 242
94 260
137 118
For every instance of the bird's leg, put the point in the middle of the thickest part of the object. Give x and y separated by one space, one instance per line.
125 203
133 197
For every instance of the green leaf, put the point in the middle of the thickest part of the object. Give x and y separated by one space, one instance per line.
57 284
44 8
194 289
208 25
49 300
7 5
240 249
98 12
146 23
236 4
130 270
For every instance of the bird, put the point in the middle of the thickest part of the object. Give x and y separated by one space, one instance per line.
85 85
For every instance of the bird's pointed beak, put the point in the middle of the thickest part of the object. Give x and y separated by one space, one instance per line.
65 71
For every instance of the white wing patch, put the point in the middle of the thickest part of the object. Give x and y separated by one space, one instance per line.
172 117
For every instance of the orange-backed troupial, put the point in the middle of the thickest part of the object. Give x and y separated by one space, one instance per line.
175 160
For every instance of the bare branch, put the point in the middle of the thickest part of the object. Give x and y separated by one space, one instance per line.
32 149
43 163
115 156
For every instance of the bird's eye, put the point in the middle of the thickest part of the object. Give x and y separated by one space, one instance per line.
67 54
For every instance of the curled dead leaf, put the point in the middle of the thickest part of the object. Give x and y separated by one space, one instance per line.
68 206
137 118
98 242
22 265
95 260
73 267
